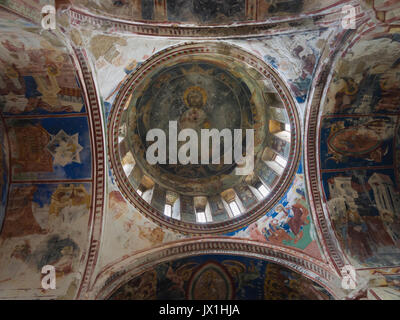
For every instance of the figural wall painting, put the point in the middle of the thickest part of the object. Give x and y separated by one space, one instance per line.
46 209
220 277
359 151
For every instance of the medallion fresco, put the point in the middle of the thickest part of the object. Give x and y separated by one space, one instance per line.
220 277
358 141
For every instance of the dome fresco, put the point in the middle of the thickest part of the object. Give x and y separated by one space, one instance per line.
196 95
206 89
88 109
46 160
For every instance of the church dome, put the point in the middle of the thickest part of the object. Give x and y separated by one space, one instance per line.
169 104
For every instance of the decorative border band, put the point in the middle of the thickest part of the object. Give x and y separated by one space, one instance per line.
111 24
98 154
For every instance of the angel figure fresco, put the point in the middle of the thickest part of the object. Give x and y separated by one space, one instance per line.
255 233
376 90
117 205
209 286
176 279
155 235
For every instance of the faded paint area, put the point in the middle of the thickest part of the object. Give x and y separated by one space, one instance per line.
47 198
294 56
128 231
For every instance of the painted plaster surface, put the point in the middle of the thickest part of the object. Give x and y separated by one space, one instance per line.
274 227
49 194
220 278
359 151
48 189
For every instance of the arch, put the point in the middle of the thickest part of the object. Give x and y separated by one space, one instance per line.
115 275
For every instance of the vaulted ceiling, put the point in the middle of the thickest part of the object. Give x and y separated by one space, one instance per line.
75 192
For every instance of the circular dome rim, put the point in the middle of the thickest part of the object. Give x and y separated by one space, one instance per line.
248 217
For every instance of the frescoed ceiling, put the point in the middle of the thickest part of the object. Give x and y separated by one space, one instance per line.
324 99
359 150
212 277
46 162
202 12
